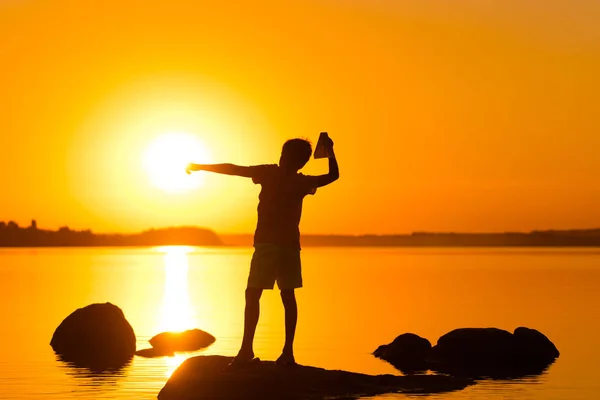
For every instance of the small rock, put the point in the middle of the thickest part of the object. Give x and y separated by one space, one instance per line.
153 353
408 352
189 340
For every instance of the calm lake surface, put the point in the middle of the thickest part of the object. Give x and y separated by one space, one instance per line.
353 300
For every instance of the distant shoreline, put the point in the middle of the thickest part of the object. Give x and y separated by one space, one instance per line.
12 235
567 238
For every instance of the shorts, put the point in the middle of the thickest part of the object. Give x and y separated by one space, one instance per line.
272 263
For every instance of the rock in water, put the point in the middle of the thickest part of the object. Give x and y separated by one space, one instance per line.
97 336
491 352
475 346
153 353
203 377
408 353
473 352
191 340
534 347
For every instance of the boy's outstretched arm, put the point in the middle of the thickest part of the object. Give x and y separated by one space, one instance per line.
227 169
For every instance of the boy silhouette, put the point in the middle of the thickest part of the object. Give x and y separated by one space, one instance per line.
276 255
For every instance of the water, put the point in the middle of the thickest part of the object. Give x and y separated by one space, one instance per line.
354 300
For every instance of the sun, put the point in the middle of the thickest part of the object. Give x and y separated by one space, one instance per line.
165 160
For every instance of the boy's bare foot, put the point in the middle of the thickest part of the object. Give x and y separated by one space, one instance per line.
286 359
241 360
245 355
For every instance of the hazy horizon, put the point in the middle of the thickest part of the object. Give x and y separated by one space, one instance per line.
250 233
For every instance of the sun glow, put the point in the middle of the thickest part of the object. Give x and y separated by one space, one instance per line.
166 158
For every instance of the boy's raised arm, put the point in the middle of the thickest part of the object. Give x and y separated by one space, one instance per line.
333 174
227 169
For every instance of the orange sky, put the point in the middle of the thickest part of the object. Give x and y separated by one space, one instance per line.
470 117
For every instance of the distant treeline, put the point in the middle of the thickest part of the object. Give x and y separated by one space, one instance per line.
11 235
552 238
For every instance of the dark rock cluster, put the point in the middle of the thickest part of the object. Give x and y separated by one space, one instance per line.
477 352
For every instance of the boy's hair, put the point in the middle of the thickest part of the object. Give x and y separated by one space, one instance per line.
297 152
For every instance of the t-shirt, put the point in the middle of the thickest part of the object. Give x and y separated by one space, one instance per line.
280 204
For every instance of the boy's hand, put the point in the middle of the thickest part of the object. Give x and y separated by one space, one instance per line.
328 144
188 169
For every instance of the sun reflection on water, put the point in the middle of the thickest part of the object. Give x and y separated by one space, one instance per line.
177 313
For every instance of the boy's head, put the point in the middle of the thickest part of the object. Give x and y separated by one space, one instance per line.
295 154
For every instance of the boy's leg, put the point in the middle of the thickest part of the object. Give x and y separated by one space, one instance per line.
262 276
288 298
289 278
251 314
